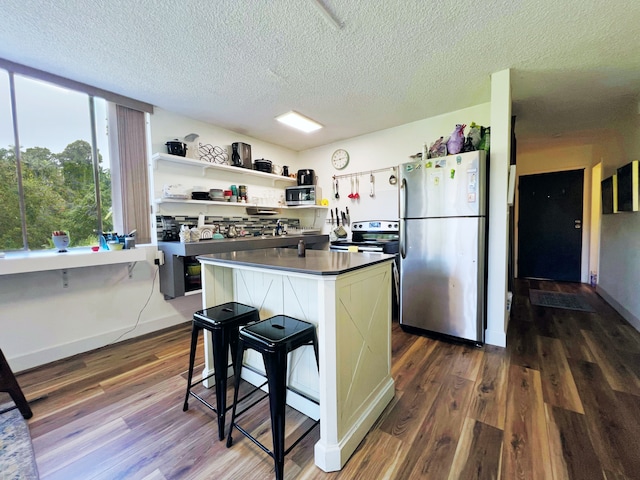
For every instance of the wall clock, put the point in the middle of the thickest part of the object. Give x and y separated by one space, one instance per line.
340 159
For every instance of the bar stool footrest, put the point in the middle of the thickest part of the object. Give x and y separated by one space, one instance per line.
229 407
259 444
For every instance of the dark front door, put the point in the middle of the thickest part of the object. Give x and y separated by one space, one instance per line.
550 225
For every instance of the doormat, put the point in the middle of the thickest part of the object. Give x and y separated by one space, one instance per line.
17 459
569 301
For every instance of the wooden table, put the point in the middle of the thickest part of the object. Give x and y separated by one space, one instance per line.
348 297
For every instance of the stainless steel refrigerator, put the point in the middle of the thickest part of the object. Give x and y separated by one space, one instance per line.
443 245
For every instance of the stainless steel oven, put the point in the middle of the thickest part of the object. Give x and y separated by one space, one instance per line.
375 236
381 236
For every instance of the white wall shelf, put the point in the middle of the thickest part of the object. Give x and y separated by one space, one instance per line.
38 261
214 166
185 201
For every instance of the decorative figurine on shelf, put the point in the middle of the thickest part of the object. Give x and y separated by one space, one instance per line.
438 148
456 140
472 141
60 240
185 234
485 143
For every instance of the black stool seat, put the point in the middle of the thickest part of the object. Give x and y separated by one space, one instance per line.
223 321
274 338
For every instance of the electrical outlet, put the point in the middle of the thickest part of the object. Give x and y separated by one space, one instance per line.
159 260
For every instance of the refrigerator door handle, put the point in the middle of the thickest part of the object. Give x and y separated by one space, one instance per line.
403 223
403 197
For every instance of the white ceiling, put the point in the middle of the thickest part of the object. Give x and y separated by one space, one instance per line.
239 63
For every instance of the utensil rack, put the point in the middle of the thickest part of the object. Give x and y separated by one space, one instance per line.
366 172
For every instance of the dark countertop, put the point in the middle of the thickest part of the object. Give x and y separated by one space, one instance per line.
316 262
236 244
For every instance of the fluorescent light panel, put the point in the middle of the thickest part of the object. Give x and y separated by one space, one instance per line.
300 122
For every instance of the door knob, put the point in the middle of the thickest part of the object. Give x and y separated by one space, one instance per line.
577 224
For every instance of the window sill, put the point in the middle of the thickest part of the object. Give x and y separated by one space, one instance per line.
38 261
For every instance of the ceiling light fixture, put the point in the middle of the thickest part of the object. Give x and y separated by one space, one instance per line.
296 120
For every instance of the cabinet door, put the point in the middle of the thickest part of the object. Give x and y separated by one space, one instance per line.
275 295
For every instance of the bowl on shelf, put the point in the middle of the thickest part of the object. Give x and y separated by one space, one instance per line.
115 245
200 195
193 269
217 195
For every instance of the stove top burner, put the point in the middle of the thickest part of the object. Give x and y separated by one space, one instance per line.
372 236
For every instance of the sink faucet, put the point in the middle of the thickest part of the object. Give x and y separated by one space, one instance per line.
264 227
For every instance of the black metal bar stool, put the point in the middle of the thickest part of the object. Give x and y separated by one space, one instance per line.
223 321
274 338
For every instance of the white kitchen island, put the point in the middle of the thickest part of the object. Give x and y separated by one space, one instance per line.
348 298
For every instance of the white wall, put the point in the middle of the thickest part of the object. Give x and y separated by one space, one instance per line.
166 126
496 333
382 150
596 216
619 279
41 321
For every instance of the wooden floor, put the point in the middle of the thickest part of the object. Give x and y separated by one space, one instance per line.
562 401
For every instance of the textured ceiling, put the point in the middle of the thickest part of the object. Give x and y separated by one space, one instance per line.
239 63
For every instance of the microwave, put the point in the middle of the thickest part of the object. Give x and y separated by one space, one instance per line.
303 195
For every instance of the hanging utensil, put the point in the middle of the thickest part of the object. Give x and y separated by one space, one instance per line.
351 194
348 217
331 210
372 180
336 188
357 194
337 217
392 179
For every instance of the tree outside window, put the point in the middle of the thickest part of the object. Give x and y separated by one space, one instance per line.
56 165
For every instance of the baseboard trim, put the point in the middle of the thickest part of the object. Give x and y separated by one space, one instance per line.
626 314
493 337
58 352
331 457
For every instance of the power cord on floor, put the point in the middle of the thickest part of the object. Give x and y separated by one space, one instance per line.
153 283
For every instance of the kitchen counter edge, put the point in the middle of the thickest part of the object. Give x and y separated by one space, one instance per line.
238 244
316 262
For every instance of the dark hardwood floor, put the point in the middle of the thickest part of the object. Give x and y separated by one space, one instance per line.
562 401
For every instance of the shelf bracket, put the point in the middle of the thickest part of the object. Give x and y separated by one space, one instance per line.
65 279
130 267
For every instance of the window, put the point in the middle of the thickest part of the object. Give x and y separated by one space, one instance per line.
64 174
60 179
